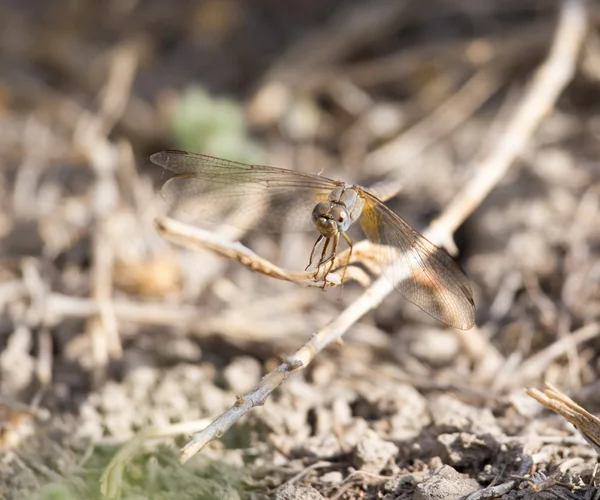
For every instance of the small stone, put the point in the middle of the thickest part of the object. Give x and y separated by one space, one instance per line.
333 477
445 483
182 349
242 374
434 346
449 414
297 492
400 409
372 453
318 446
353 432
463 450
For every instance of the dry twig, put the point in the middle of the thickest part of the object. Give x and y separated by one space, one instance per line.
92 136
445 118
586 423
539 100
536 364
496 491
321 49
195 238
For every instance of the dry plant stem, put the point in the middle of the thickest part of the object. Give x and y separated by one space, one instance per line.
492 491
194 238
38 293
44 359
586 423
350 28
322 48
297 361
536 364
117 92
508 46
92 135
321 464
445 118
240 322
548 83
498 490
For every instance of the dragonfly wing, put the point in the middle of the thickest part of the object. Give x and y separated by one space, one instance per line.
246 196
425 274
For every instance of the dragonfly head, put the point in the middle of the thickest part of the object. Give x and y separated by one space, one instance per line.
330 218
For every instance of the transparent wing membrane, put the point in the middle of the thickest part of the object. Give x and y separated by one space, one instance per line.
425 274
246 196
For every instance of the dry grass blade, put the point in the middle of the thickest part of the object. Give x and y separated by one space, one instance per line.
586 423
537 363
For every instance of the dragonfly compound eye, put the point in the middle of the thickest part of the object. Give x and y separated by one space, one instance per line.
340 215
320 210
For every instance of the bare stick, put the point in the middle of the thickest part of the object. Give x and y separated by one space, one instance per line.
320 49
194 238
445 118
539 100
548 83
586 423
91 135
537 363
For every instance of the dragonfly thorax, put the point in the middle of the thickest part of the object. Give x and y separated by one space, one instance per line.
330 218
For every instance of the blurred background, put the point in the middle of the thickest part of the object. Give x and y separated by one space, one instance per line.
106 329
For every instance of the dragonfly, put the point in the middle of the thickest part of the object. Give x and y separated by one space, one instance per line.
276 199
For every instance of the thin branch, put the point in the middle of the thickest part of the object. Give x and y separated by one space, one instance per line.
549 81
496 491
91 134
194 238
443 120
539 100
243 322
537 363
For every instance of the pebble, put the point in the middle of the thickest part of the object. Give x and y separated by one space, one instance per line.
445 483
372 453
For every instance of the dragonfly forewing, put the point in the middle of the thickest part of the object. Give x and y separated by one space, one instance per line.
246 196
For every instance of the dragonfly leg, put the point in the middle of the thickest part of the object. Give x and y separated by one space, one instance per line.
312 253
322 259
331 258
349 241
